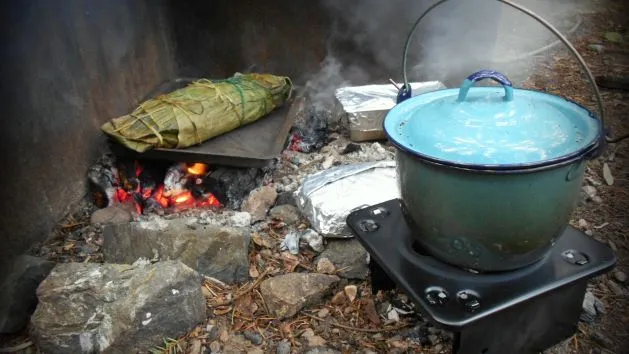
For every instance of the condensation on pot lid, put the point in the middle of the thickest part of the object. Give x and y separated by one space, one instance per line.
486 129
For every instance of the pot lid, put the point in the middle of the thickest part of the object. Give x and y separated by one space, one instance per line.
491 126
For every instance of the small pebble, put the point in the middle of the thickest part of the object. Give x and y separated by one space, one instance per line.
254 337
327 163
616 288
589 232
583 224
620 276
438 348
336 331
325 266
434 339
351 291
283 348
393 316
323 313
215 347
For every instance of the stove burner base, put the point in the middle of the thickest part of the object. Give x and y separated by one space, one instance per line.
523 311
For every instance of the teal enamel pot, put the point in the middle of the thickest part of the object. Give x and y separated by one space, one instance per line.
489 176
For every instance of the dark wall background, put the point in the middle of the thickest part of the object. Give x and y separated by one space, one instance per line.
67 66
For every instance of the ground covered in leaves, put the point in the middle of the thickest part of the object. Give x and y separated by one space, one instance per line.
353 318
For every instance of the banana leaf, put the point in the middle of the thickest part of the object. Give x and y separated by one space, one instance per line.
200 111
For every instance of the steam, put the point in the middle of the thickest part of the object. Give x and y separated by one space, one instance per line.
456 39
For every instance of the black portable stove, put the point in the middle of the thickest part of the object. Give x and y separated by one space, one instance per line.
522 311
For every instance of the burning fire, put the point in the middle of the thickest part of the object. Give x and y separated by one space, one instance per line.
174 192
197 169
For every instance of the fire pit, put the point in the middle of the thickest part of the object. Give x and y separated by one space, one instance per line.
164 187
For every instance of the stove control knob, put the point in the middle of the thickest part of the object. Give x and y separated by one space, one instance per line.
380 212
368 225
436 296
469 300
575 257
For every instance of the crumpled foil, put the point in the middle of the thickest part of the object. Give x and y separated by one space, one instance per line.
311 237
363 108
327 197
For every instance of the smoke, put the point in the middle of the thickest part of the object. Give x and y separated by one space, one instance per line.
456 39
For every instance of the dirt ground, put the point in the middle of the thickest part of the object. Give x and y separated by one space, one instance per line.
350 327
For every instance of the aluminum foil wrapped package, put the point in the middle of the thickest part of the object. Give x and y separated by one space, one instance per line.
327 197
363 108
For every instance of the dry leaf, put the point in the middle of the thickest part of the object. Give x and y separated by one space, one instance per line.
399 344
607 174
351 291
224 336
195 347
369 309
290 261
260 241
219 311
68 247
253 271
246 306
339 298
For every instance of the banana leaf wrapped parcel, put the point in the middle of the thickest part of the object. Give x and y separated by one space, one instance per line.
200 111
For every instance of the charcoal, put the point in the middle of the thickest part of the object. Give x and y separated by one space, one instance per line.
310 134
102 178
128 174
231 185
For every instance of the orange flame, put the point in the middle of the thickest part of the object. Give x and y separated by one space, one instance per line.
198 169
183 197
159 196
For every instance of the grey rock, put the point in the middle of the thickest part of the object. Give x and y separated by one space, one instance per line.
18 285
111 215
286 294
115 308
219 252
616 288
241 219
322 350
592 306
283 348
287 197
254 337
259 201
349 256
621 277
287 213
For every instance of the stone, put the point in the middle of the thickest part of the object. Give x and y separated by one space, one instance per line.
283 348
620 276
287 213
116 308
349 257
616 288
240 219
111 215
325 266
215 347
351 291
322 350
286 294
259 201
286 198
592 306
18 286
312 339
254 337
213 251
323 313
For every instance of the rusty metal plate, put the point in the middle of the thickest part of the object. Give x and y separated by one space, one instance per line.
253 145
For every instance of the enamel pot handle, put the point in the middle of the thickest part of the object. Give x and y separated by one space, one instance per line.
405 91
486 74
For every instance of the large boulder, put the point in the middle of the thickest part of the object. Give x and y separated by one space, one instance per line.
214 251
115 308
18 284
286 294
